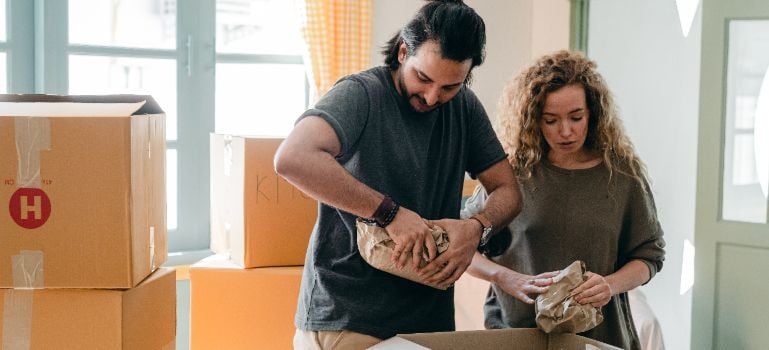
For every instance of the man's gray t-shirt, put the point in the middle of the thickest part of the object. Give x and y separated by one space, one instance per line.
420 161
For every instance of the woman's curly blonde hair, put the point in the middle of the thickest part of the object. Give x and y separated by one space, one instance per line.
520 111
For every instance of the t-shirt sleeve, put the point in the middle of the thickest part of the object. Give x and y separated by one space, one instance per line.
485 149
345 107
643 231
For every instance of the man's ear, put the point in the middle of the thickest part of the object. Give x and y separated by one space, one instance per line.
403 51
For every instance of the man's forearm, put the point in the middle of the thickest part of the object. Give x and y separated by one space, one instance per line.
504 198
306 159
502 205
321 177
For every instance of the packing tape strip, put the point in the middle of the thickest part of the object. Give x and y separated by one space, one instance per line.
17 319
150 207
228 162
152 248
33 134
228 158
28 269
17 306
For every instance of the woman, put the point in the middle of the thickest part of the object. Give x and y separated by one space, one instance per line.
585 194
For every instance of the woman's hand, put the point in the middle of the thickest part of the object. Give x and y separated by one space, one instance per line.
523 287
595 291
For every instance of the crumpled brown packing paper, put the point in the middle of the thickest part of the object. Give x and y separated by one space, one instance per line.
376 247
558 312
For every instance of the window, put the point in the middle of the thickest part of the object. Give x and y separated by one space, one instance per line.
230 66
258 54
745 171
3 49
3 75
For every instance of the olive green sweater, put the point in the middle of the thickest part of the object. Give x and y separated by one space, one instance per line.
573 215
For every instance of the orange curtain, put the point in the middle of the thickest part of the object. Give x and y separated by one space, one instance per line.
338 37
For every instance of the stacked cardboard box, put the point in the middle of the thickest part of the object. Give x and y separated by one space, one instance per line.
83 178
258 219
245 298
236 308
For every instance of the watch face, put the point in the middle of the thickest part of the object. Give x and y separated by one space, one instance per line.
485 234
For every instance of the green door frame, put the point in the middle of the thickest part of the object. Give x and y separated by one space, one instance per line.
580 13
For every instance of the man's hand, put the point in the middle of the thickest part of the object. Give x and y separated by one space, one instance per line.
411 235
523 287
464 236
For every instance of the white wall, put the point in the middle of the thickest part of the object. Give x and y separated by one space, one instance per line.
653 71
508 47
550 26
511 36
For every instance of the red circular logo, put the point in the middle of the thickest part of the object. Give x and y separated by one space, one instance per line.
30 207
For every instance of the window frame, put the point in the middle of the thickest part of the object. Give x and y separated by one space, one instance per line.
38 52
19 46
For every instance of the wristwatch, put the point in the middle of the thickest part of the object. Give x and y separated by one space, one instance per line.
487 226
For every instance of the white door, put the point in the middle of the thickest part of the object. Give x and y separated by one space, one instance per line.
731 291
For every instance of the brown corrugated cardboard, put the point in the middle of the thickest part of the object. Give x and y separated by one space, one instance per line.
82 184
234 308
495 339
138 319
257 218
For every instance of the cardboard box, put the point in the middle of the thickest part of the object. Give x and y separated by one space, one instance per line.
258 219
234 308
141 318
495 339
82 190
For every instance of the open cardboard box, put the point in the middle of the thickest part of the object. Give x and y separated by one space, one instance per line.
82 191
493 339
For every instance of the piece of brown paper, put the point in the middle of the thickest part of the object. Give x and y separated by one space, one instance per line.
376 247
558 312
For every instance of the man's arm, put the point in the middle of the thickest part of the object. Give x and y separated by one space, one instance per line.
502 205
306 159
504 201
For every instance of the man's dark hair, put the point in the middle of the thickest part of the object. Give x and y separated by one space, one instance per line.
458 29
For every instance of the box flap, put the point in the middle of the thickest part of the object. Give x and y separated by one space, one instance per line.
227 196
398 343
567 341
491 339
67 109
83 105
495 339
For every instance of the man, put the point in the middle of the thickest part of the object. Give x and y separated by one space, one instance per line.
392 144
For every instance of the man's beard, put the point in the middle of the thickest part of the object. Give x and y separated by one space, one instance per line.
406 95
